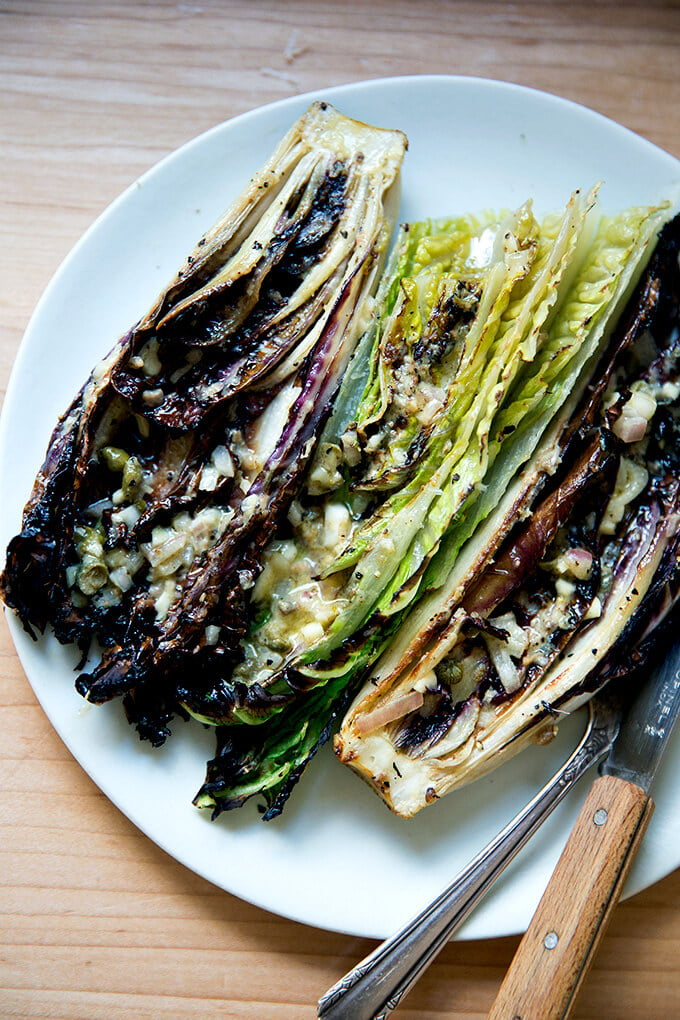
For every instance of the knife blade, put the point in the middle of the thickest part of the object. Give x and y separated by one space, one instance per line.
647 724
558 948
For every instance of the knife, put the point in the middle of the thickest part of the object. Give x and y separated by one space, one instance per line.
558 948
378 984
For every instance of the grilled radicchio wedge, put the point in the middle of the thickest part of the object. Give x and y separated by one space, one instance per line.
449 418
164 479
524 629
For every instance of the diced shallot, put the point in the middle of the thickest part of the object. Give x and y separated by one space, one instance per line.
517 638
221 458
396 709
579 562
507 671
630 428
636 413
121 578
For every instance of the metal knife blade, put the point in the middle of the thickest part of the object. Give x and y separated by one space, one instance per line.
648 720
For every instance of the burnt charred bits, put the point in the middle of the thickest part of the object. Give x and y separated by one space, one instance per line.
240 764
432 358
231 322
628 357
31 582
664 446
544 537
184 678
450 320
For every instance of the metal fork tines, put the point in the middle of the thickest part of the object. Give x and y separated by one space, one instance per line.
376 985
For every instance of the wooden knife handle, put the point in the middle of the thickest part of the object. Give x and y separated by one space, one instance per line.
555 954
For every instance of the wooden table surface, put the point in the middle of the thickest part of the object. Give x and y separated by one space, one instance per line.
96 921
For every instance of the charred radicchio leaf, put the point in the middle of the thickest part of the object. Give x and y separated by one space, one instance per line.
164 479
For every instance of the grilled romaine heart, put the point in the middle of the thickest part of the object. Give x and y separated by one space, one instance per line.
559 590
452 416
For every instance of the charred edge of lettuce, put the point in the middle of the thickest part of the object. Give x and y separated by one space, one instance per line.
268 759
654 303
593 468
647 630
33 581
593 450
643 639
146 659
273 765
230 362
212 593
29 580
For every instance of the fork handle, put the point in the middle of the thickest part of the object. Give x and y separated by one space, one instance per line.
558 948
374 988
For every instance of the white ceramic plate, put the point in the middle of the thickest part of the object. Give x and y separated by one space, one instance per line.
336 858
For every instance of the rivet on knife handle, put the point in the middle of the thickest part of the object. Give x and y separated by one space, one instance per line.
555 954
375 986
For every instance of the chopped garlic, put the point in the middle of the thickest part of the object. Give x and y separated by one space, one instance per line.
163 594
212 634
427 682
669 391
642 402
153 398
209 478
173 550
565 589
150 360
508 673
312 632
221 458
337 525
518 639
636 413
128 516
121 578
325 476
250 505
245 579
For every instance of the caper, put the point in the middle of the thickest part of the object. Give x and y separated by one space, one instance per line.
114 458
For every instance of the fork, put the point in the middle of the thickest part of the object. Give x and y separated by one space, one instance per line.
374 988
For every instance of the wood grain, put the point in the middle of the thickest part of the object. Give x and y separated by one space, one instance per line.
560 943
96 921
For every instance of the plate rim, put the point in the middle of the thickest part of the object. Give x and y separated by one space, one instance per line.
334 94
